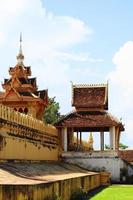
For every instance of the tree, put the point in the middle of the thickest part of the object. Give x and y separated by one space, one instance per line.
52 114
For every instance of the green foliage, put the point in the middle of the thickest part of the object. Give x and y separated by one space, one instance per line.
123 146
52 115
107 146
123 171
129 179
79 195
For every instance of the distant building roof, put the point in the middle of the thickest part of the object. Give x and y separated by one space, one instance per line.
126 155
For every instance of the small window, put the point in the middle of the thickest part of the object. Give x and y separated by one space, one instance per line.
26 110
20 110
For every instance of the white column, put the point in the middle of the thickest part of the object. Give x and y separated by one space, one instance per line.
80 138
65 138
77 139
112 137
102 140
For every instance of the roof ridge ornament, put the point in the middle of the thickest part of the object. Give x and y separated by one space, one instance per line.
20 56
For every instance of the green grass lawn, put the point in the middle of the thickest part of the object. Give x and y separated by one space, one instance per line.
115 192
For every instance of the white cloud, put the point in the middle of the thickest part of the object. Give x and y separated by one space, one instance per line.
123 59
122 75
46 37
122 86
81 57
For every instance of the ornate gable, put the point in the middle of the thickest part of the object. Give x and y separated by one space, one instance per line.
12 95
90 96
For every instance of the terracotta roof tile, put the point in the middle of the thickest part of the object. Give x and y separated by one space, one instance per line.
89 120
126 155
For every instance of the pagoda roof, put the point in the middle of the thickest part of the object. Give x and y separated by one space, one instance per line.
27 68
39 94
90 120
90 96
22 80
27 81
27 94
42 94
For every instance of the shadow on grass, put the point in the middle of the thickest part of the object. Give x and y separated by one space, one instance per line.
95 191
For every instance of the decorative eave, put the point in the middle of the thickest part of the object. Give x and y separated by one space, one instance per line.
89 120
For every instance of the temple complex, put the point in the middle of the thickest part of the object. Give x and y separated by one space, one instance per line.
21 92
25 140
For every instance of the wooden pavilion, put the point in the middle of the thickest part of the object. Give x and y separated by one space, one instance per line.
90 115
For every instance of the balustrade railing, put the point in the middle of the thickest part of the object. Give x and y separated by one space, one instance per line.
7 113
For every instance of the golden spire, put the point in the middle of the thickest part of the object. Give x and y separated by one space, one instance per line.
90 141
20 56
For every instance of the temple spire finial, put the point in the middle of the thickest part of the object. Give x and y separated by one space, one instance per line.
20 40
20 56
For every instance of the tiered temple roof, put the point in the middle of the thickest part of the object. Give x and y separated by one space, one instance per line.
21 91
91 103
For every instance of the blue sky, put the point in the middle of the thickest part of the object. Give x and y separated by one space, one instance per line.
88 41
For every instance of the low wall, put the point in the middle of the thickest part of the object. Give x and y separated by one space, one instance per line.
95 162
23 137
62 188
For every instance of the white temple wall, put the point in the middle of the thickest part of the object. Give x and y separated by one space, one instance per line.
111 164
